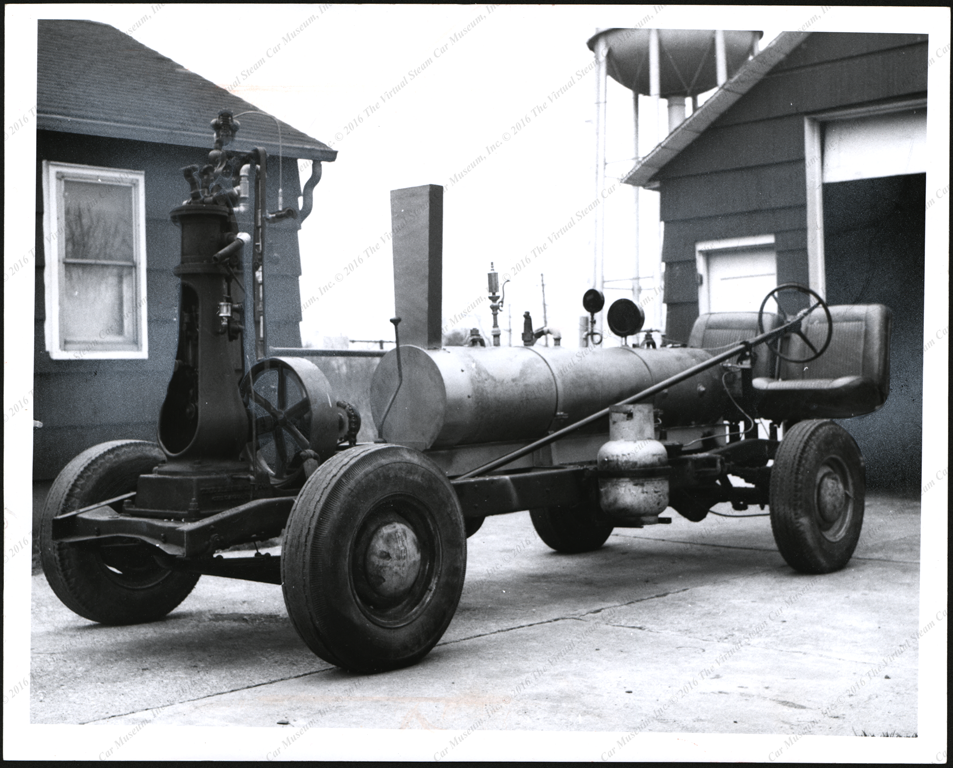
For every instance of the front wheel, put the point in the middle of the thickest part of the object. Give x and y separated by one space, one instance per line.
116 581
817 496
374 558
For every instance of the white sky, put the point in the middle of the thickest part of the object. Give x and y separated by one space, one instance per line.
477 91
466 95
472 93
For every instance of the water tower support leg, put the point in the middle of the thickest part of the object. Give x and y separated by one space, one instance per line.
601 52
721 63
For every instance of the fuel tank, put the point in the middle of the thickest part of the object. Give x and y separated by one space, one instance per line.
467 395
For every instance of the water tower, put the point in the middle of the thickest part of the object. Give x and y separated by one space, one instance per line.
674 64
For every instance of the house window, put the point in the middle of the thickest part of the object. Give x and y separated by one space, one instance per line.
95 237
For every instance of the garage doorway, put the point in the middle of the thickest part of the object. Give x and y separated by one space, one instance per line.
874 254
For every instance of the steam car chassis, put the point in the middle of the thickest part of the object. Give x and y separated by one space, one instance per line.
374 535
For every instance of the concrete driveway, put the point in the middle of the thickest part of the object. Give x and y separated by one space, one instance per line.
685 628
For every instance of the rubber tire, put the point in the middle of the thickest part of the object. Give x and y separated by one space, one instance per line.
320 552
77 572
472 524
570 530
808 449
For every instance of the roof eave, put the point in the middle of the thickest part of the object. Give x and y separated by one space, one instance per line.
115 130
643 174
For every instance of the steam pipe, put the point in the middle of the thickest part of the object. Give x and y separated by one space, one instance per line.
400 374
636 282
554 332
258 256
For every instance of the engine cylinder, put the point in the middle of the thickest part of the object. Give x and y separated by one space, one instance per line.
203 416
467 395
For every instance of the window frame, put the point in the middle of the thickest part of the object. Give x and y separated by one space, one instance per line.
54 173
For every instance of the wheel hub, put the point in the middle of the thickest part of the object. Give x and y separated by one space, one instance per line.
831 496
393 560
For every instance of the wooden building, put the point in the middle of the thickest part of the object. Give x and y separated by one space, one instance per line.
116 122
809 166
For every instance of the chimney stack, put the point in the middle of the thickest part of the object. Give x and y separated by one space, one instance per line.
417 221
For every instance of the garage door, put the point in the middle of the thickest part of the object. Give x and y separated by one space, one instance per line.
735 278
872 147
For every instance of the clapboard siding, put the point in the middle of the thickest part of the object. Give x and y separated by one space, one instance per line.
732 191
59 445
83 402
764 222
681 284
767 142
880 75
817 49
120 398
681 318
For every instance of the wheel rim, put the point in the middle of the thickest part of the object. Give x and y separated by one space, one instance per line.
834 498
393 561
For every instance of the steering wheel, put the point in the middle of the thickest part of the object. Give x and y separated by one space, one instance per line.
796 330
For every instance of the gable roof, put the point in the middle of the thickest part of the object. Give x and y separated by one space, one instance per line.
93 79
746 78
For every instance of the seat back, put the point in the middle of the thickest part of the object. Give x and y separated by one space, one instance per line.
860 346
716 331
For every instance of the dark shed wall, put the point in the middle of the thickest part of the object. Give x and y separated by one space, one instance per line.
83 402
745 175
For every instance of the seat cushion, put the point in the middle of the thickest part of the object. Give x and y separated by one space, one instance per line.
851 378
717 331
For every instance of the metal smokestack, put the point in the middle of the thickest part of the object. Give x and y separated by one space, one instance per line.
417 230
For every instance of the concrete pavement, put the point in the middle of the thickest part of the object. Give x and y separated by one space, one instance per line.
685 628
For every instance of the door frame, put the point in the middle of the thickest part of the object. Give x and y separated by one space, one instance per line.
814 177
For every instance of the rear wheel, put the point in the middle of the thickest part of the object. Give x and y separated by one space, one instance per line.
116 581
374 558
570 529
472 525
817 496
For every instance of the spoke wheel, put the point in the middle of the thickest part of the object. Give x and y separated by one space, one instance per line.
817 497
570 530
374 558
816 350
288 401
117 581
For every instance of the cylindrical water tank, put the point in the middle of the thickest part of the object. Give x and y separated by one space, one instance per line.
468 395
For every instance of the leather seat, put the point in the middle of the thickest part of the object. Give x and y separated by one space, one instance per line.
851 378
